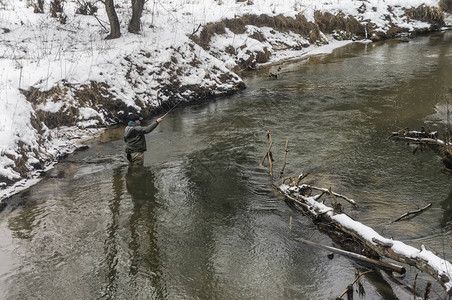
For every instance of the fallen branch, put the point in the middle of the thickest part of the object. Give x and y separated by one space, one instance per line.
338 224
359 257
428 141
195 31
105 29
406 132
301 177
416 212
284 162
351 201
269 153
350 286
422 138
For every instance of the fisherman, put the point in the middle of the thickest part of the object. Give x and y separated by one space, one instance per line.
135 139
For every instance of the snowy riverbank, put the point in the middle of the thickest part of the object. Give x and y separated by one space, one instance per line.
62 83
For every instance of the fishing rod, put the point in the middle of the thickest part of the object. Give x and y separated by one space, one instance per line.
161 105
172 108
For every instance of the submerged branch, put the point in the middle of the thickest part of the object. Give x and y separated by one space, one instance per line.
350 286
359 257
284 162
268 155
416 212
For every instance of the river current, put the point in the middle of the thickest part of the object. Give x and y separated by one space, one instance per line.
201 219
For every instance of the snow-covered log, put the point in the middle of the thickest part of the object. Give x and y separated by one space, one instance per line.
423 259
431 139
428 141
419 137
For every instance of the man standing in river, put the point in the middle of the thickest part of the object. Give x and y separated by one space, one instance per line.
135 139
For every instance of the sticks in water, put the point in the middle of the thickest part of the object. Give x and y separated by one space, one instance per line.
415 212
284 163
359 257
350 286
269 153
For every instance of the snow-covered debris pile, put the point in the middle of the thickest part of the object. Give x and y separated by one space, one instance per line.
60 77
367 239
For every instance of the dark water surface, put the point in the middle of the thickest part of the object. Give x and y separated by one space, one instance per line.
201 221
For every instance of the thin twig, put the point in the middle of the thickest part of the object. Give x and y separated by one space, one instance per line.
106 30
269 136
284 162
415 212
351 201
414 287
356 279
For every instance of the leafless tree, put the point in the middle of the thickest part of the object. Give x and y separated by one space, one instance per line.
115 31
137 10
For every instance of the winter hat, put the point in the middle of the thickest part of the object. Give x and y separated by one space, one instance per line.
134 117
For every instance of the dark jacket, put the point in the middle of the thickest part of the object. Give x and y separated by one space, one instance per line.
134 137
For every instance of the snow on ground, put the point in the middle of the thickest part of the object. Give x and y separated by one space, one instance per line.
162 63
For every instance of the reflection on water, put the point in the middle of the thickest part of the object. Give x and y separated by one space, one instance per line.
201 220
447 214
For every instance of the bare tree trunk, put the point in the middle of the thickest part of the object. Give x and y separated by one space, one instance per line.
115 31
137 10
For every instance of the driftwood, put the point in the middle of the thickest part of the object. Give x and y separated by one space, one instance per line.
350 286
415 212
333 194
406 132
284 161
427 141
418 137
359 257
422 138
323 190
337 224
269 153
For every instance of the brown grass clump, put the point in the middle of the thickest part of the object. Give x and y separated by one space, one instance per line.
263 57
208 32
395 31
423 13
328 23
298 25
94 94
258 36
254 58
236 25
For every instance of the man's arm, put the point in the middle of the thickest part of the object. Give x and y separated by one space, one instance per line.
147 129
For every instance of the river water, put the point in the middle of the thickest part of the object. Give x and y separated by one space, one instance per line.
201 220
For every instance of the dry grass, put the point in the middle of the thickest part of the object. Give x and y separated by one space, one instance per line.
263 57
236 25
395 31
328 23
208 31
433 15
325 22
298 25
95 95
258 36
